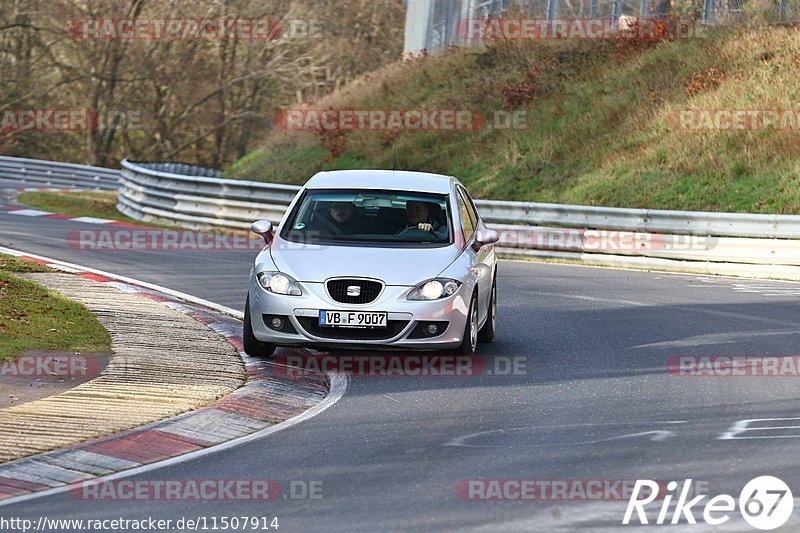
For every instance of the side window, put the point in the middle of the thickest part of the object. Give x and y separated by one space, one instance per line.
467 223
473 213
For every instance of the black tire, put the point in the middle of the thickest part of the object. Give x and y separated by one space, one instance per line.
469 344
486 334
253 346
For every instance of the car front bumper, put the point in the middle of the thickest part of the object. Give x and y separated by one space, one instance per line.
403 316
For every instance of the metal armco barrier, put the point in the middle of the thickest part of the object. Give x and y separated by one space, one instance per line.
52 173
643 220
195 197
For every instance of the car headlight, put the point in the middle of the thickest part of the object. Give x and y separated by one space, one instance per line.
434 289
278 283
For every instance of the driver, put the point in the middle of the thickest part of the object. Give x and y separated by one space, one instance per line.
341 220
418 217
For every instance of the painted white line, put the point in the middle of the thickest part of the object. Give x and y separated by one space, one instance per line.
744 426
648 270
63 268
594 299
91 220
659 435
714 338
30 212
338 388
181 295
124 287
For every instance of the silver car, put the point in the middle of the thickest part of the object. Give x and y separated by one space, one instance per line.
374 258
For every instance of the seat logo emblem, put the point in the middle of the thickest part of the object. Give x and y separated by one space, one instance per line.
354 290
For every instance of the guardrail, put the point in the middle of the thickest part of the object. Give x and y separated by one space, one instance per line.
643 220
195 197
54 173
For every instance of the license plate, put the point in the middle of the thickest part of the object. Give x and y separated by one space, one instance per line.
352 319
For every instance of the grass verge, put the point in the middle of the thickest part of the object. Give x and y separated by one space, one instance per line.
600 123
97 204
35 318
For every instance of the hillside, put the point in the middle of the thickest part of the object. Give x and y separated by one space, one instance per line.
600 123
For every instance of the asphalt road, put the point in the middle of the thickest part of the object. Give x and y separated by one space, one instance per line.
595 402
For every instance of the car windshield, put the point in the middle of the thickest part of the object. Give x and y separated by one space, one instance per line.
379 217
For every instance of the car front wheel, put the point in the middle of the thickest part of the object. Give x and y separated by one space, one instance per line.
469 344
486 333
253 346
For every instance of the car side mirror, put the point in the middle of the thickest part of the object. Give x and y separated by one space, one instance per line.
486 236
265 229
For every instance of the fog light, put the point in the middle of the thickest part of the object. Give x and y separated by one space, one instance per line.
432 329
277 323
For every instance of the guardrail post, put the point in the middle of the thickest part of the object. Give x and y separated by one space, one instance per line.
708 8
616 13
782 10
552 9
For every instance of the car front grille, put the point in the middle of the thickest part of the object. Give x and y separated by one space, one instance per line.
311 325
368 290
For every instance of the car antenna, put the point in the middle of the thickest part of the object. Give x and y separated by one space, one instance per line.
394 156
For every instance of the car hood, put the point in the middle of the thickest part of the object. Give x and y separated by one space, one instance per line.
394 266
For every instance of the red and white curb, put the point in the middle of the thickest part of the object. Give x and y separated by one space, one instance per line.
38 213
269 402
47 214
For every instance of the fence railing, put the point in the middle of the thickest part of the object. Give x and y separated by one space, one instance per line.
194 197
750 11
53 173
433 25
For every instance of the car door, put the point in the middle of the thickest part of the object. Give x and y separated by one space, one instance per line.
482 259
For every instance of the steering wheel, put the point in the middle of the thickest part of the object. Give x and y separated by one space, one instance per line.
410 231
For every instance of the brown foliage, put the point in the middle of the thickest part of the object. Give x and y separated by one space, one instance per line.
334 141
703 81
197 100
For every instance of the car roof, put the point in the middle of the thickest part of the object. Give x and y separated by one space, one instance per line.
402 180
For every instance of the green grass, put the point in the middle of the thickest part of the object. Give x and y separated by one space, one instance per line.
98 204
599 127
35 318
9 263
